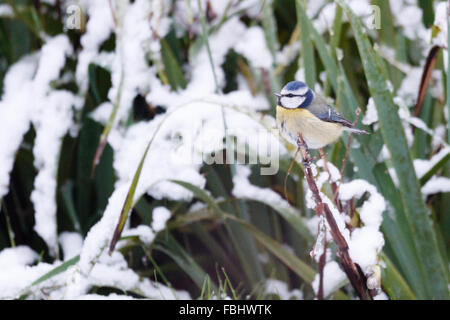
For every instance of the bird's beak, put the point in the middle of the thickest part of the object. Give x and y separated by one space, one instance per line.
277 94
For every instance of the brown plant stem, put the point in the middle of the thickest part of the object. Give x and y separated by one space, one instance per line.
113 13
425 79
288 172
322 262
321 208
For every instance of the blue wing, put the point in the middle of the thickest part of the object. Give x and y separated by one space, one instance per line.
332 116
324 112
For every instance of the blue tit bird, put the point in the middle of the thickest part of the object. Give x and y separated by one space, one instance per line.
299 109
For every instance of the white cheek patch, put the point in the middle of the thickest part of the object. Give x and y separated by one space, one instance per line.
291 102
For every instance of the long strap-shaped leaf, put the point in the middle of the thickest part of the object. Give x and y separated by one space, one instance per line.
364 158
307 47
433 268
303 270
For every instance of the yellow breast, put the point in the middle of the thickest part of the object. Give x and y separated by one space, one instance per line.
317 133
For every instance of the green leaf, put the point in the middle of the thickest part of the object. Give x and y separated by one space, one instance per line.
67 191
54 272
128 201
201 194
293 217
109 125
363 157
396 231
337 28
270 27
428 12
307 55
433 268
387 29
299 267
246 251
170 246
172 67
393 283
86 146
433 170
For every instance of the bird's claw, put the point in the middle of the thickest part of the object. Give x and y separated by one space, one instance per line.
306 163
303 146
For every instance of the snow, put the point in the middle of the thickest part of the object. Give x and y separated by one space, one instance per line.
130 71
440 21
14 114
324 13
6 11
360 7
145 233
371 115
165 152
100 234
372 209
242 188
52 119
71 244
335 173
313 7
381 296
253 46
16 278
280 289
311 202
366 241
408 16
300 75
422 166
420 124
325 18
288 53
436 185
365 245
98 29
410 86
319 245
112 271
438 137
17 273
312 224
179 147
160 216
374 280
333 279
51 115
17 256
102 112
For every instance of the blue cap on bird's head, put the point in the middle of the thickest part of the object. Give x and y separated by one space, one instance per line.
295 94
294 85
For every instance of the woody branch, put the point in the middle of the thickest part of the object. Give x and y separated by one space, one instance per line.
355 277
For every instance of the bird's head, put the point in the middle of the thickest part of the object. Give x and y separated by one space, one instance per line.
295 94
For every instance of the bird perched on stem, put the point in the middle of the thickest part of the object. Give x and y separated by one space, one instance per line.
299 109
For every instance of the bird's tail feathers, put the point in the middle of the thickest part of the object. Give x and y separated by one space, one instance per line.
356 130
